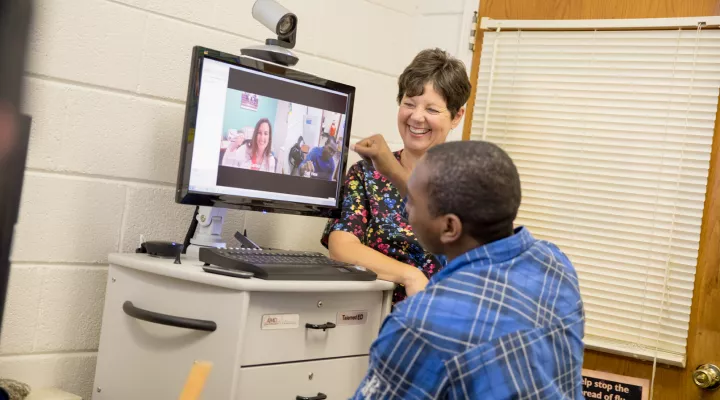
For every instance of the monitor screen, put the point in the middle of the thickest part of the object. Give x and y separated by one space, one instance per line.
264 137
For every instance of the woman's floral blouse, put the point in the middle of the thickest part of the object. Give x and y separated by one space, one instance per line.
372 210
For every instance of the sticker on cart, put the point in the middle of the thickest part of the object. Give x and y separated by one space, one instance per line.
280 321
352 317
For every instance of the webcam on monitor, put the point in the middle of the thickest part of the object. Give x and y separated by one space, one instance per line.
280 21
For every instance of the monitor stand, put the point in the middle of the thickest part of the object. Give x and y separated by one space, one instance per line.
208 230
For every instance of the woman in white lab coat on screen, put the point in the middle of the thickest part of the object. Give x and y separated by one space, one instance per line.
255 155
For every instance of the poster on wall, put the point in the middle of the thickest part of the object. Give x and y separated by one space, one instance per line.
249 101
606 386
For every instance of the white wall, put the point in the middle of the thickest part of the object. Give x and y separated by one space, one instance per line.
106 84
280 131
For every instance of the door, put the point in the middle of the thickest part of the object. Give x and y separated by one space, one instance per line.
311 130
703 346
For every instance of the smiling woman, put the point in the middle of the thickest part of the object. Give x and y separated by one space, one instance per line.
373 231
256 154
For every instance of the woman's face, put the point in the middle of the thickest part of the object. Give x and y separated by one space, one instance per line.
424 121
263 137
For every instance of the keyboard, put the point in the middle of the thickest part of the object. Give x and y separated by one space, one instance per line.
280 265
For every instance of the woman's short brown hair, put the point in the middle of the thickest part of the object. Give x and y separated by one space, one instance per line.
445 72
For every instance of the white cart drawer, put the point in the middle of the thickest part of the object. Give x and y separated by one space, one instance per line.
337 379
275 330
144 360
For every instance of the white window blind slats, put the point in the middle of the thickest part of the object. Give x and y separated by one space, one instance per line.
635 346
676 313
669 163
594 123
652 286
600 90
607 205
628 325
649 302
627 347
631 213
631 183
602 64
661 198
607 129
649 289
621 115
669 149
635 245
600 109
623 227
611 133
626 176
624 191
628 258
631 247
646 339
533 96
655 79
651 282
671 167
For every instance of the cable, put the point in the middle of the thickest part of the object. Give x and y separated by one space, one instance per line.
191 230
490 83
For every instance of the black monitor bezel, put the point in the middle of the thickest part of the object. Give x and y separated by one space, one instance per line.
184 196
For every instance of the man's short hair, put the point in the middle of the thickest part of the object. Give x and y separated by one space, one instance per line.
445 72
478 182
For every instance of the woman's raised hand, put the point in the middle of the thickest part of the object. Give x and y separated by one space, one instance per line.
376 150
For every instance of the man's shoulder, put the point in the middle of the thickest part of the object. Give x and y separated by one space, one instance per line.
479 301
315 151
545 258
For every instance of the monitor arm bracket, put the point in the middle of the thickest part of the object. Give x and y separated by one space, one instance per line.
208 231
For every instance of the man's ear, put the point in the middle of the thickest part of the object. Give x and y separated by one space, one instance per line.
452 229
458 117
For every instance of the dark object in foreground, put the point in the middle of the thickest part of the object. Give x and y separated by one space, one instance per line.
162 249
14 128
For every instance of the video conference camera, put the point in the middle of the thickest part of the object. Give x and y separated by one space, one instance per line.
284 24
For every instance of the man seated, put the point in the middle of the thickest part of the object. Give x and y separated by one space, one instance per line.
319 161
503 319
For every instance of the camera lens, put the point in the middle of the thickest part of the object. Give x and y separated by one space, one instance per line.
286 24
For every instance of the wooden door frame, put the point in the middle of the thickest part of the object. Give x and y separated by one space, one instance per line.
704 333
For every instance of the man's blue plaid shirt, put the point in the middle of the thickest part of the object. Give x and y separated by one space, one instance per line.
503 321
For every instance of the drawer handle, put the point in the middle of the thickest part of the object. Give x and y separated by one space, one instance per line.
320 396
169 320
324 327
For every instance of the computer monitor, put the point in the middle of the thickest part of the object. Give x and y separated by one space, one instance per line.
260 136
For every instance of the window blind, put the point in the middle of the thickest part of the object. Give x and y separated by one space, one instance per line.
611 132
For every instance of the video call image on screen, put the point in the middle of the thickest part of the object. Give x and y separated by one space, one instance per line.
265 134
266 137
